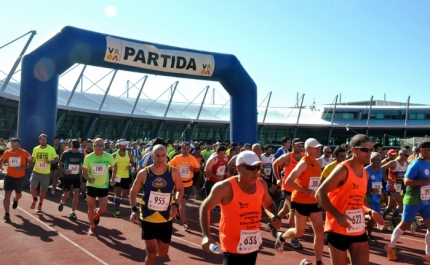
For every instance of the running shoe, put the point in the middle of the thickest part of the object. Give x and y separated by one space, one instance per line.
7 218
39 209
96 216
295 243
91 230
391 252
305 262
33 204
60 206
372 240
273 231
15 203
279 245
414 226
186 226
73 216
426 260
177 216
117 213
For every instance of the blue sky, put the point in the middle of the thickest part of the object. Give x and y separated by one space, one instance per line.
320 48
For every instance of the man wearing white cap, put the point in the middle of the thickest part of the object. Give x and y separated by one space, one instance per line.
241 198
305 179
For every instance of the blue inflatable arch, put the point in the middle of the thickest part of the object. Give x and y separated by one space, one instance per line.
42 67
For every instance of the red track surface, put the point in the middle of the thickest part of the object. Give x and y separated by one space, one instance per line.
51 238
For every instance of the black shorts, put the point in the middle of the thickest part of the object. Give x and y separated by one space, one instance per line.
54 166
342 242
159 231
97 192
68 182
124 184
285 193
242 259
14 184
305 209
187 193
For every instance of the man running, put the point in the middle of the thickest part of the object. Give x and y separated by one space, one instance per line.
339 156
267 158
186 164
124 161
416 200
158 206
241 198
43 156
342 195
286 144
18 161
55 173
71 166
215 170
95 171
326 157
305 179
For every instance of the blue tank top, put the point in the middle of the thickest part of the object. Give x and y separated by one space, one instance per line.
158 196
374 183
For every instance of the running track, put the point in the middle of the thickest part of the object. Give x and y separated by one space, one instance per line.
51 238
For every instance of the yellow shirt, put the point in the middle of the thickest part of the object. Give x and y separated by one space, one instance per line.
328 169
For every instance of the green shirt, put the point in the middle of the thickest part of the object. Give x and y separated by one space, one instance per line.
98 168
39 156
206 154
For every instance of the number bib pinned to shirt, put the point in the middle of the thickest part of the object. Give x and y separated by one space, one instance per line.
425 193
41 165
267 169
184 171
250 241
74 169
357 224
314 182
14 161
98 169
158 201
220 171
376 187
398 187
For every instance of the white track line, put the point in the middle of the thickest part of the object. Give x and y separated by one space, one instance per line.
63 236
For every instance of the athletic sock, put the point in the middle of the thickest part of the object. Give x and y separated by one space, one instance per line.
428 244
117 202
319 262
281 238
395 236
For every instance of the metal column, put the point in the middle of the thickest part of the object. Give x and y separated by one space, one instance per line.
138 95
76 85
170 100
107 90
332 120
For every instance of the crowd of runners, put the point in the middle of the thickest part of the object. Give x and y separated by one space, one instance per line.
346 195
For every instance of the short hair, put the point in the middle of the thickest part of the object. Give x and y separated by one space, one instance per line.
43 135
168 141
221 148
186 144
359 139
57 137
285 139
377 145
158 140
339 149
15 140
267 146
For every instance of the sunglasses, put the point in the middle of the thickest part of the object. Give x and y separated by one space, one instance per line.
251 168
406 155
328 152
364 149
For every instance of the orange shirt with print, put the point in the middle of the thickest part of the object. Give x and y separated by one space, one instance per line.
185 165
287 171
313 170
15 159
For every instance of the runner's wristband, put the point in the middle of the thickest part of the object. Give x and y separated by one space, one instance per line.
134 209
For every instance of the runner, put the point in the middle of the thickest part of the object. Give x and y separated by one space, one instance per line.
124 162
95 171
71 166
18 161
289 162
342 196
304 179
396 171
3 147
326 157
198 177
186 164
339 156
267 158
416 200
215 170
43 156
55 173
241 198
286 144
158 206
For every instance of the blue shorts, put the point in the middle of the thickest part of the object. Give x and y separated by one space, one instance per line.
410 212
376 206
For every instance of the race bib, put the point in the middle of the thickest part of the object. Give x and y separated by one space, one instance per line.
250 241
358 223
98 169
314 182
1 147
220 171
425 193
158 201
398 187
14 161
42 165
74 169
184 171
376 187
267 169
118 180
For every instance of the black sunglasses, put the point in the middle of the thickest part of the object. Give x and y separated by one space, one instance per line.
251 168
364 149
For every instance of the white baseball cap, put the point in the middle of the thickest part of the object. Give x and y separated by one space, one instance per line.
312 142
248 158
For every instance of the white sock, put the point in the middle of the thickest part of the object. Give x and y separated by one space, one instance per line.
395 236
428 244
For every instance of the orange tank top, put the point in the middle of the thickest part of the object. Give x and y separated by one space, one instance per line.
287 171
309 179
239 226
348 199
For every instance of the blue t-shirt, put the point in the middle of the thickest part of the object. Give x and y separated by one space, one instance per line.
279 152
375 184
418 169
